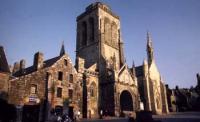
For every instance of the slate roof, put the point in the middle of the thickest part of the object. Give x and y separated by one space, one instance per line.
3 61
31 69
139 71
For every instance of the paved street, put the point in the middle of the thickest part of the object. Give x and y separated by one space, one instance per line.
179 117
172 117
107 120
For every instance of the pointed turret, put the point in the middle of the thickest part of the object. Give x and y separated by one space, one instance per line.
121 53
149 49
62 51
133 68
145 67
3 61
198 80
133 64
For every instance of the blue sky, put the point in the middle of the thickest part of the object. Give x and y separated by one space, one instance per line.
28 26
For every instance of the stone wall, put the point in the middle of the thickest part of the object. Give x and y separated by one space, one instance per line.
21 93
4 85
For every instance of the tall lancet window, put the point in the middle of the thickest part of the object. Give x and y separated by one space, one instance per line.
114 32
107 29
84 33
91 26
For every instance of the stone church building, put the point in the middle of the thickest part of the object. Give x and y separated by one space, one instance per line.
100 80
151 87
99 50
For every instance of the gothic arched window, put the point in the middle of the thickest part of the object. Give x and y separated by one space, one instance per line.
84 33
71 79
114 32
107 28
93 90
91 28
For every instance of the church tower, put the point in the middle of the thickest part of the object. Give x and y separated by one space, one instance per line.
99 49
98 37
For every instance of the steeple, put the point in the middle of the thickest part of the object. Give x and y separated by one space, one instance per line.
198 80
133 64
3 61
149 49
62 51
133 68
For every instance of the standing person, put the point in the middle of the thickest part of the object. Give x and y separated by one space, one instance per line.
53 117
79 113
101 114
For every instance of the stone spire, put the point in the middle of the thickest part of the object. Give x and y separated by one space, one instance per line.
133 68
198 80
149 49
121 51
62 51
3 61
133 64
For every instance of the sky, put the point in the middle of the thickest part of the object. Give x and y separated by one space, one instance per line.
29 26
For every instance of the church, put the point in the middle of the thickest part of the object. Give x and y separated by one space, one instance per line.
118 88
99 50
150 85
100 81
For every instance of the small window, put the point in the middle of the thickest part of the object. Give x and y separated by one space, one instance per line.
33 89
71 78
60 76
70 93
92 90
59 92
65 62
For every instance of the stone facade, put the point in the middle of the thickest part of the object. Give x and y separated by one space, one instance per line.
171 99
100 81
99 48
4 75
54 80
151 86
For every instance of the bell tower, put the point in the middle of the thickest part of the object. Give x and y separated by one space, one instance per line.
99 43
98 37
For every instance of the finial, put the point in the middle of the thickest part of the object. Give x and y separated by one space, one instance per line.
144 62
62 51
133 65
149 41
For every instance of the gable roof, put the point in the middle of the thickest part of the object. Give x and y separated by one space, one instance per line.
129 70
31 69
3 61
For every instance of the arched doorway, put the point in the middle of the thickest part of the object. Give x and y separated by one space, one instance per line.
126 101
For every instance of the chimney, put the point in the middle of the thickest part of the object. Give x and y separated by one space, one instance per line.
177 88
198 79
16 67
167 86
22 64
38 60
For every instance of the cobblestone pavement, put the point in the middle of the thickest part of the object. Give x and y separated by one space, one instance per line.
115 119
172 117
179 117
